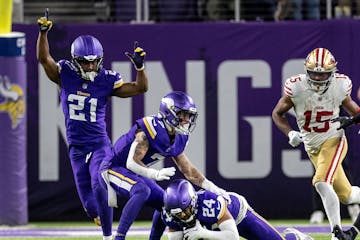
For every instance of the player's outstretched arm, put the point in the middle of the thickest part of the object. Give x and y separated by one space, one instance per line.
192 174
43 51
140 85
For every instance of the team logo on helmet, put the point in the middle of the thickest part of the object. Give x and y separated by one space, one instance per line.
12 101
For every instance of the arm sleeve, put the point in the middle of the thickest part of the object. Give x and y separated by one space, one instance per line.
137 168
227 231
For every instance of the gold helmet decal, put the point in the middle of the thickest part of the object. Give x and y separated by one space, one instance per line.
320 60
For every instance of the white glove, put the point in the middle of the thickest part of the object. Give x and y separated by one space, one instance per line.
210 186
196 232
165 174
224 194
294 138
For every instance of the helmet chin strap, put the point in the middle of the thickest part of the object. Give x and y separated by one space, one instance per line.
171 130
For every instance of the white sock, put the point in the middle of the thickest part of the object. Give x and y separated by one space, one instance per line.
107 238
354 195
330 201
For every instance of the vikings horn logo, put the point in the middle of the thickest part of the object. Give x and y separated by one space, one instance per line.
11 100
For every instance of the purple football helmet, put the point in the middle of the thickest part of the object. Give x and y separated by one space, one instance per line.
179 112
87 48
180 200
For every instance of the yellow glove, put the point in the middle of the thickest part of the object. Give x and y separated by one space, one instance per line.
44 23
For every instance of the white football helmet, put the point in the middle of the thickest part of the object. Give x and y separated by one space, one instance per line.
320 66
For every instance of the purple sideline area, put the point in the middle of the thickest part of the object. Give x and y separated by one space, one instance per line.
134 231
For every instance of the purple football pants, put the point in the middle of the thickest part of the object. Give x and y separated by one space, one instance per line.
254 227
138 190
85 164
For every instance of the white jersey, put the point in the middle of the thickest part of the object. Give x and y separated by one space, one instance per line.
314 111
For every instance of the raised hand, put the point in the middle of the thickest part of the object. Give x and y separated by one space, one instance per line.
137 58
44 23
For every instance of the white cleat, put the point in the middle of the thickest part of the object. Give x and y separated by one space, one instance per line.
299 235
317 217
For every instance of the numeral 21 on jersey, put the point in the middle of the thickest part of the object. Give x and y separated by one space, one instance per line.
77 107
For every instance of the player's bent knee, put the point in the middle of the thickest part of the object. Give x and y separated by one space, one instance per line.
141 189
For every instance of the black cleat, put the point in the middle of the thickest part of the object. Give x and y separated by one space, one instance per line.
350 234
338 233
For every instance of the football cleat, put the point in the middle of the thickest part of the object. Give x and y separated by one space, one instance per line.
350 234
299 235
97 221
339 234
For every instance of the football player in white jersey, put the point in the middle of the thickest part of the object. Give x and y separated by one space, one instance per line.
316 97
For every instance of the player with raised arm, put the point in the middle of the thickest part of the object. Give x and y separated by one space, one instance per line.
316 97
84 88
205 215
151 139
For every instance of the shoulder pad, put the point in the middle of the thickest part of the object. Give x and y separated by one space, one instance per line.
292 84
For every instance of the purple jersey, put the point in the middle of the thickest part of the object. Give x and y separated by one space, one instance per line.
84 103
209 209
160 144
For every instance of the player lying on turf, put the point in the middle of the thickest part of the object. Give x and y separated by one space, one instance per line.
205 215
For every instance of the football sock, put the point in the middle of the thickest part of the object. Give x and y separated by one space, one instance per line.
330 201
158 226
139 193
105 212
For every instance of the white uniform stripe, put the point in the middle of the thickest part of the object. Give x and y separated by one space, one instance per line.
320 57
120 183
335 161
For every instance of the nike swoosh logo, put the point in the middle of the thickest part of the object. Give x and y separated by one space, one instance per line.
88 156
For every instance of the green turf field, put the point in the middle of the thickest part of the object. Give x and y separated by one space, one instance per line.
138 225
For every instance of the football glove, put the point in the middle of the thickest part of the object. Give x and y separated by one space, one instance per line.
210 186
137 58
196 232
344 122
44 23
294 138
165 174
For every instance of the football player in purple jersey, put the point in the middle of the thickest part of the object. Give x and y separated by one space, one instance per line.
205 215
85 87
152 138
